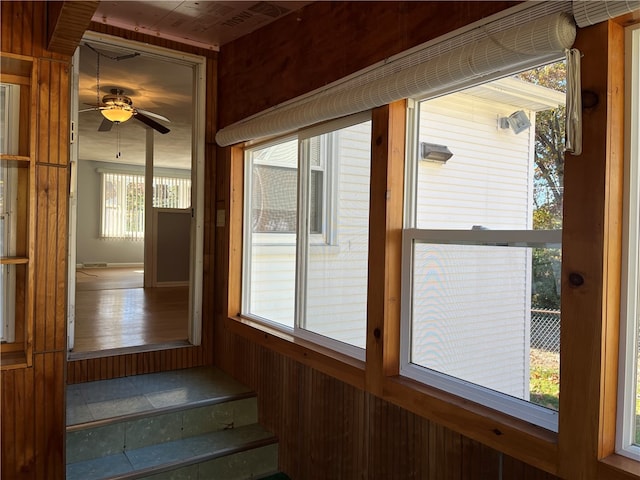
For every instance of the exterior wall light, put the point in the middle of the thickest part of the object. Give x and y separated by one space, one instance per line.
517 121
435 153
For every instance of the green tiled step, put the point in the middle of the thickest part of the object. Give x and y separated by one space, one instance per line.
188 424
238 453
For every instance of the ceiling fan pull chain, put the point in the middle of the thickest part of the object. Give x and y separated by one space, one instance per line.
118 153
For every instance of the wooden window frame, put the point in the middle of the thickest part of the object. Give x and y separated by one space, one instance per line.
584 446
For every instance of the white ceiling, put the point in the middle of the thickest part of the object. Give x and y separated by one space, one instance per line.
154 85
202 23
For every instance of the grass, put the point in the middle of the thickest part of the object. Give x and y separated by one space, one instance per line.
544 379
544 384
638 406
544 387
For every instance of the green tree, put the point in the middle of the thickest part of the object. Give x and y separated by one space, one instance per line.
548 184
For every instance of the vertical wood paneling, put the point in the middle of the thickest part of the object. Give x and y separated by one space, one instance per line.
326 41
50 265
328 429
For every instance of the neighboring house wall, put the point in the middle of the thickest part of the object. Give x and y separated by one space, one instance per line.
471 311
336 280
91 248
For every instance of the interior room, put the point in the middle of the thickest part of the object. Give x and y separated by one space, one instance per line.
379 240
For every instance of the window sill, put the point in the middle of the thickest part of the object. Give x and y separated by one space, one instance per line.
325 360
616 467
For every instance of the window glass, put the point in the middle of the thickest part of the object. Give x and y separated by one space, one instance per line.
270 256
483 306
306 234
336 269
123 201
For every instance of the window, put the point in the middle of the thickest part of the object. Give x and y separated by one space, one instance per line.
9 117
628 431
8 217
306 233
275 183
481 254
123 201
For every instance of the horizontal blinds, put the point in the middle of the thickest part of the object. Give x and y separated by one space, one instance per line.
536 41
589 12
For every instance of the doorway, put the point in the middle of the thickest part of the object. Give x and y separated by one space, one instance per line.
136 198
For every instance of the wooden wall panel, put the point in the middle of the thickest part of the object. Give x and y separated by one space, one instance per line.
328 429
24 29
33 419
32 431
326 41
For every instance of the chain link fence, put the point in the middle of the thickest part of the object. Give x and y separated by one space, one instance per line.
545 330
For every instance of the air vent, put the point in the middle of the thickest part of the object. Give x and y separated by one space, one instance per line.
269 9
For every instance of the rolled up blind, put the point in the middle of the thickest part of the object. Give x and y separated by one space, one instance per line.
542 39
590 12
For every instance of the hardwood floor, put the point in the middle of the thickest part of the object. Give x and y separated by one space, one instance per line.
113 311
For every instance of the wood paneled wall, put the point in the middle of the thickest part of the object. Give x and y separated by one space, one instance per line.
328 429
33 398
326 41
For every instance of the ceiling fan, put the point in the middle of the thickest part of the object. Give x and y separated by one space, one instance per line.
117 107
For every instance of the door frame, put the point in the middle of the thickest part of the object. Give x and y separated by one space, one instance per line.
198 63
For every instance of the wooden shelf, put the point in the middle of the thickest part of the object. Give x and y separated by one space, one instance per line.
15 160
14 260
16 65
9 360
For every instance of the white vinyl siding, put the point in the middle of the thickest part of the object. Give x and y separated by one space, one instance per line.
489 179
488 182
337 274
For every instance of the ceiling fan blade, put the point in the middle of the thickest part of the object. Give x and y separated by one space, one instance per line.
153 115
150 122
105 126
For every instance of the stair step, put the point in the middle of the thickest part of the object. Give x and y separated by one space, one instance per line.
117 434
95 402
244 452
195 423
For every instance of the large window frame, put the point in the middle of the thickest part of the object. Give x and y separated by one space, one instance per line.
477 237
626 434
315 146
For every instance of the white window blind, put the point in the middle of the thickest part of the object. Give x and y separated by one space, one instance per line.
460 61
590 12
123 201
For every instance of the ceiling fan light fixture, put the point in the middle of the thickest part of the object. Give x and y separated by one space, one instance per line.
117 114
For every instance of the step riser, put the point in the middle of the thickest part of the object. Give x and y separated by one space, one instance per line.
243 465
253 463
117 437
